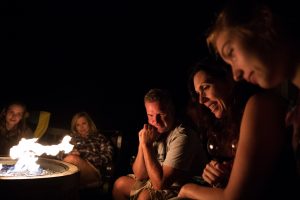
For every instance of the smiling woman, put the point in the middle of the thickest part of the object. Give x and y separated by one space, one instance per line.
212 85
13 126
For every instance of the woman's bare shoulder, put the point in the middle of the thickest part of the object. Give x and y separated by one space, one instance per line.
267 101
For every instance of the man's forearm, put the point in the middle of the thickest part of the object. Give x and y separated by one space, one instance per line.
154 169
139 168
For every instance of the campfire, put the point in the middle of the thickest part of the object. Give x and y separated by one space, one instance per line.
26 175
27 152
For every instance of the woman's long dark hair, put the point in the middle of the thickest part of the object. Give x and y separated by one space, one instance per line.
228 126
21 126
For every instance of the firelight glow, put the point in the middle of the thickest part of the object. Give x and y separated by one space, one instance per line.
28 150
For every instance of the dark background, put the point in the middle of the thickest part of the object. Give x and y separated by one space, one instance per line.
99 56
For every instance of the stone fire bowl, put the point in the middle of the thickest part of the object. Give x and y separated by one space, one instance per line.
62 184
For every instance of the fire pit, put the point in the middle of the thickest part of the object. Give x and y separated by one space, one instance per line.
61 183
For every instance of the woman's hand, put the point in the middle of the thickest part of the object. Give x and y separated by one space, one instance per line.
217 174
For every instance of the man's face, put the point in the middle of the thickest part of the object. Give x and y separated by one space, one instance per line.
159 116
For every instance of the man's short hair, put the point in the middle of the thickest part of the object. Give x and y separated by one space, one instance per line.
159 95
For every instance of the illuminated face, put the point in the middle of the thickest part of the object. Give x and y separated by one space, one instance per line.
253 65
212 93
159 116
82 126
14 115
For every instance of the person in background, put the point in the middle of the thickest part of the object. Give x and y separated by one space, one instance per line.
260 40
168 153
211 85
92 151
13 126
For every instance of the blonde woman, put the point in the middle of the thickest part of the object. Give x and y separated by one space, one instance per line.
92 150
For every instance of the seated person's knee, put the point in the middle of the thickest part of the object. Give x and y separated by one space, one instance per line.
144 195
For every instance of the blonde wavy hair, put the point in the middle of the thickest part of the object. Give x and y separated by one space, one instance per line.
93 128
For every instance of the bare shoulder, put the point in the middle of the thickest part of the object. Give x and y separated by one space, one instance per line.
267 101
265 112
264 119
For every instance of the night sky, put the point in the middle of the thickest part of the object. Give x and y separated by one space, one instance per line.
99 56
